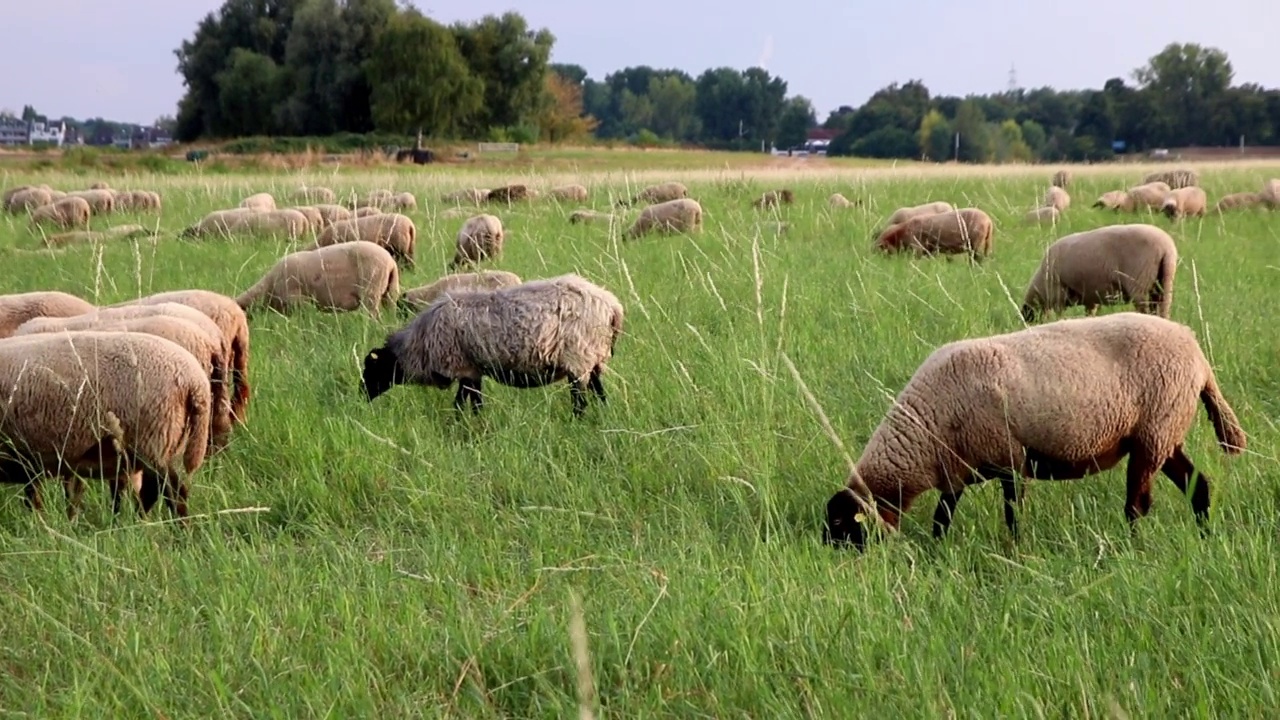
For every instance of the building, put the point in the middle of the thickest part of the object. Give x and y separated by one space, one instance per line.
43 131
149 137
13 131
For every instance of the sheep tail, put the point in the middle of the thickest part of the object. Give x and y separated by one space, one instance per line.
240 376
1231 437
196 429
1162 296
392 292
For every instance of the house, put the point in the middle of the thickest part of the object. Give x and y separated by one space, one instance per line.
149 137
817 140
13 131
44 131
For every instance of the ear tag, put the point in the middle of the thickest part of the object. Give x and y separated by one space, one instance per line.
373 356
859 518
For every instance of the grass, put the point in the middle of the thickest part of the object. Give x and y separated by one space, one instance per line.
391 559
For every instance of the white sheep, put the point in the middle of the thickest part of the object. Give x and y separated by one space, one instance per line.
341 278
18 308
683 215
480 238
393 231
259 201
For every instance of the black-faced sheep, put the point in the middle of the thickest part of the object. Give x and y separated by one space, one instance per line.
1181 202
1058 401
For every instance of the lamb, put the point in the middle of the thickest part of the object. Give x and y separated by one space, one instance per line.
1056 198
1239 201
1175 179
570 193
246 221
526 335
28 199
1105 266
480 238
420 298
393 231
233 323
1051 402
588 216
330 214
904 214
683 215
1061 179
660 193
1184 201
314 195
840 201
774 198
1042 215
80 237
341 278
968 230
67 213
509 194
473 196
203 340
105 404
18 308
259 201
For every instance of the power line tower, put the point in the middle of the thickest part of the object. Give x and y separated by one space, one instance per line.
1013 78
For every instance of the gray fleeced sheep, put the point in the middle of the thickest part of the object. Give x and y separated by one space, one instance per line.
67 213
1175 179
525 335
18 308
480 238
104 404
1184 201
683 215
394 232
339 278
967 230
1057 401
419 298
1105 266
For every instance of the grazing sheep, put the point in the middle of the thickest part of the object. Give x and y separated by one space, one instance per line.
233 324
570 193
472 196
247 221
456 213
104 404
1184 201
1056 198
1105 266
509 194
1051 402
525 335
100 185
315 195
259 201
18 308
28 199
840 201
202 339
375 199
683 215
660 193
904 214
1175 179
588 216
774 198
315 219
1149 196
1239 201
480 238
1271 194
101 202
1041 216
1118 200
8 194
366 211
403 201
1061 179
67 213
393 231
967 230
330 214
137 201
81 237
419 298
340 278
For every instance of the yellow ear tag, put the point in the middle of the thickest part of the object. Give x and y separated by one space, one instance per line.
373 356
859 518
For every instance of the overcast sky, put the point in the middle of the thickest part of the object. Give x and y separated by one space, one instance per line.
115 58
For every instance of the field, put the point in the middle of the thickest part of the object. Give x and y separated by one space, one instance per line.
354 559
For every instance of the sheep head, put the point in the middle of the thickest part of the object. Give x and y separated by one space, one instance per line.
382 372
846 521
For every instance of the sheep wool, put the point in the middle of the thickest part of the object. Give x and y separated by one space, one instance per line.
419 298
904 214
67 213
90 237
28 199
1105 266
366 211
101 201
470 196
404 201
1061 179
137 201
1118 200
394 232
18 308
314 195
509 194
330 214
1175 179
1148 196
1056 401
242 222
1056 198
839 201
315 220
967 230
480 238
1271 193
525 335
68 392
1239 201
1184 201
259 201
1042 216
683 215
660 193
570 193
339 278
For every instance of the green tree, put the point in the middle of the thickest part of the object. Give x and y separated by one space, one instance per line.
1009 146
1034 135
1185 81
796 120
975 138
420 80
248 90
511 61
672 102
1097 121
925 136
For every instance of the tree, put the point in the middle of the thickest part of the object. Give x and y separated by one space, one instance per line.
1008 143
511 61
248 90
1097 120
975 140
575 74
420 80
672 106
563 120
1185 80
927 137
796 119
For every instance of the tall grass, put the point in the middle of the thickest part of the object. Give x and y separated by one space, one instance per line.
661 556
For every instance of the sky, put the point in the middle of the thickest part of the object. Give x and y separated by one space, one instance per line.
114 58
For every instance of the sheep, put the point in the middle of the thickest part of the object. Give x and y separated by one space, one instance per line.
374 199
8 194
1175 179
840 201
1271 194
366 211
1239 201
202 339
80 237
105 404
660 193
524 336
420 298
1061 179
1042 215
1057 198
683 215
588 216
480 238
1105 266
18 308
259 201
101 201
570 193
1118 200
28 199
315 219
472 196
456 213
330 214
1184 201
339 278
314 195
100 185
67 213
967 230
137 201
393 231
774 198
1149 196
509 194
403 201
233 324
904 214
246 221
1058 401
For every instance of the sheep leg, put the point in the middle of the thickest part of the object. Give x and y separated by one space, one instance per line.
944 512
31 495
1012 499
596 386
468 393
578 391
1142 469
175 491
1181 470
73 488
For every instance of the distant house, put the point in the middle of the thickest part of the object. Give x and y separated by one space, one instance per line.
817 140
44 131
149 137
14 131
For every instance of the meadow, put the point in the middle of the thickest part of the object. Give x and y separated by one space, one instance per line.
355 559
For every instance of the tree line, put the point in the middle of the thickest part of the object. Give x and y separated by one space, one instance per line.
308 68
